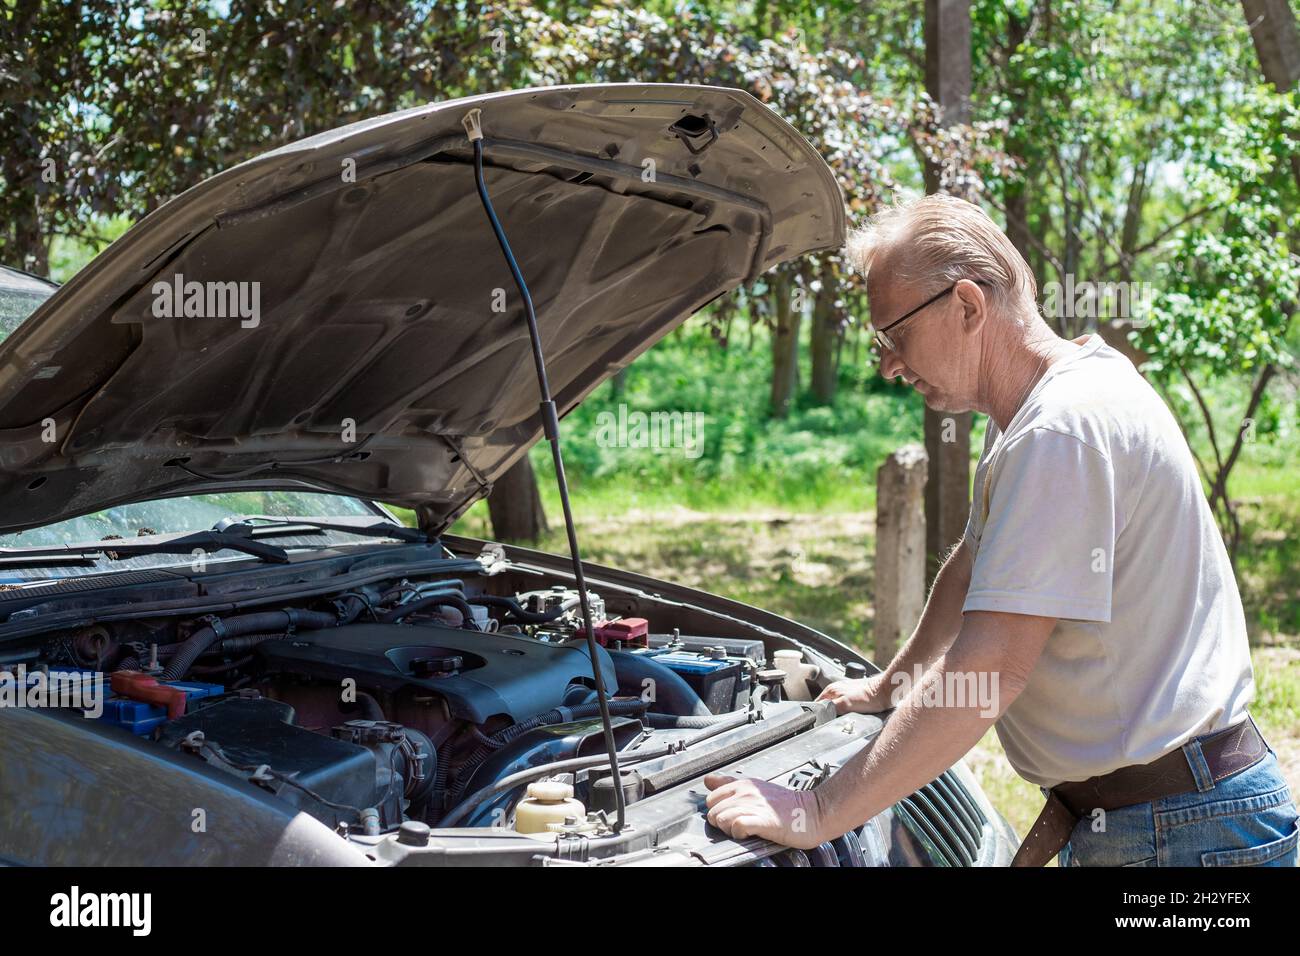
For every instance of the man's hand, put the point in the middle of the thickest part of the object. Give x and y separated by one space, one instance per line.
868 695
743 807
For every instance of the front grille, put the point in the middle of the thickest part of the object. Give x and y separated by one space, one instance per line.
948 818
942 816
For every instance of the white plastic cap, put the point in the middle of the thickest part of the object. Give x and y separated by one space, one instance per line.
550 791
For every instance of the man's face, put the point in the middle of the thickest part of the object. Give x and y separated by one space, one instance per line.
935 349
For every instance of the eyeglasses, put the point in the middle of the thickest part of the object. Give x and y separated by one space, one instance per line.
883 341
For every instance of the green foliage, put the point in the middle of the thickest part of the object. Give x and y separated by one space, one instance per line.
1119 140
1229 281
54 175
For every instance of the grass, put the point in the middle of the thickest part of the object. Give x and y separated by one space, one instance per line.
1268 564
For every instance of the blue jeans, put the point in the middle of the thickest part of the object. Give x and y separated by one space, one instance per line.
1247 819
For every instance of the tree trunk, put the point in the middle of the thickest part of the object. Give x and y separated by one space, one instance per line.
947 59
947 483
825 348
515 505
785 349
1017 187
1277 43
1018 219
31 249
1115 331
1273 30
947 436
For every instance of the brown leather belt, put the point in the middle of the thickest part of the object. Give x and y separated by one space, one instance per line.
1226 752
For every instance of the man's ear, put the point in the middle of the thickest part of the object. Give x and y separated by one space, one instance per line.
974 306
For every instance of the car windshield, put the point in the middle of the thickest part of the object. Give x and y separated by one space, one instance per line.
176 516
188 513
20 294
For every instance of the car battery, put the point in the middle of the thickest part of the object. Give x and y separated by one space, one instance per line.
718 680
747 648
141 717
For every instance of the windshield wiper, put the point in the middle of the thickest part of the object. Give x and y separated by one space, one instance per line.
205 541
279 527
229 534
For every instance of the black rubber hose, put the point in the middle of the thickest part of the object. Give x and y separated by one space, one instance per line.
240 645
206 636
672 695
454 585
445 584
560 715
516 611
369 707
441 773
434 600
351 605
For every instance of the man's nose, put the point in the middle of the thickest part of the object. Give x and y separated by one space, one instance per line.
891 366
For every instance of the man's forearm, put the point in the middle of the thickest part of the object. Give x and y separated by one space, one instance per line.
915 746
940 621
929 732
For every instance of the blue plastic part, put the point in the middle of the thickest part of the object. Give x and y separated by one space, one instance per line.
688 662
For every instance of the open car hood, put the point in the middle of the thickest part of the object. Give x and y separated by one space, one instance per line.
388 356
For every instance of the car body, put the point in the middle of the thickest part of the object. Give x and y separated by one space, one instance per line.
270 668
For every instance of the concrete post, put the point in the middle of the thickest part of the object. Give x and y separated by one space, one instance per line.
900 548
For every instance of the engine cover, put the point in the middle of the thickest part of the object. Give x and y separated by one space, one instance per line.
479 674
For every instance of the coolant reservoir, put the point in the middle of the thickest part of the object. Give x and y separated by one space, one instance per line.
548 801
797 674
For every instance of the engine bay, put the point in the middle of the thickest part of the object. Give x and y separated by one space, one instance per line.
432 701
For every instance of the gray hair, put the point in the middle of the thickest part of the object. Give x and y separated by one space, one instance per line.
939 240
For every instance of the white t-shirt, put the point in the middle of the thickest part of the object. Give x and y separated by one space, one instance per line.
1089 509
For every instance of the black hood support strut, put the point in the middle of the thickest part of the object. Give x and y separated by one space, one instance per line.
551 428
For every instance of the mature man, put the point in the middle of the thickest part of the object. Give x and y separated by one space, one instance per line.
1091 584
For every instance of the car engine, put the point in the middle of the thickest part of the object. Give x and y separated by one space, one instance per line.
403 700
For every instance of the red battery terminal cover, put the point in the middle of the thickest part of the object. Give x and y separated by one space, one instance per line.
627 631
135 685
